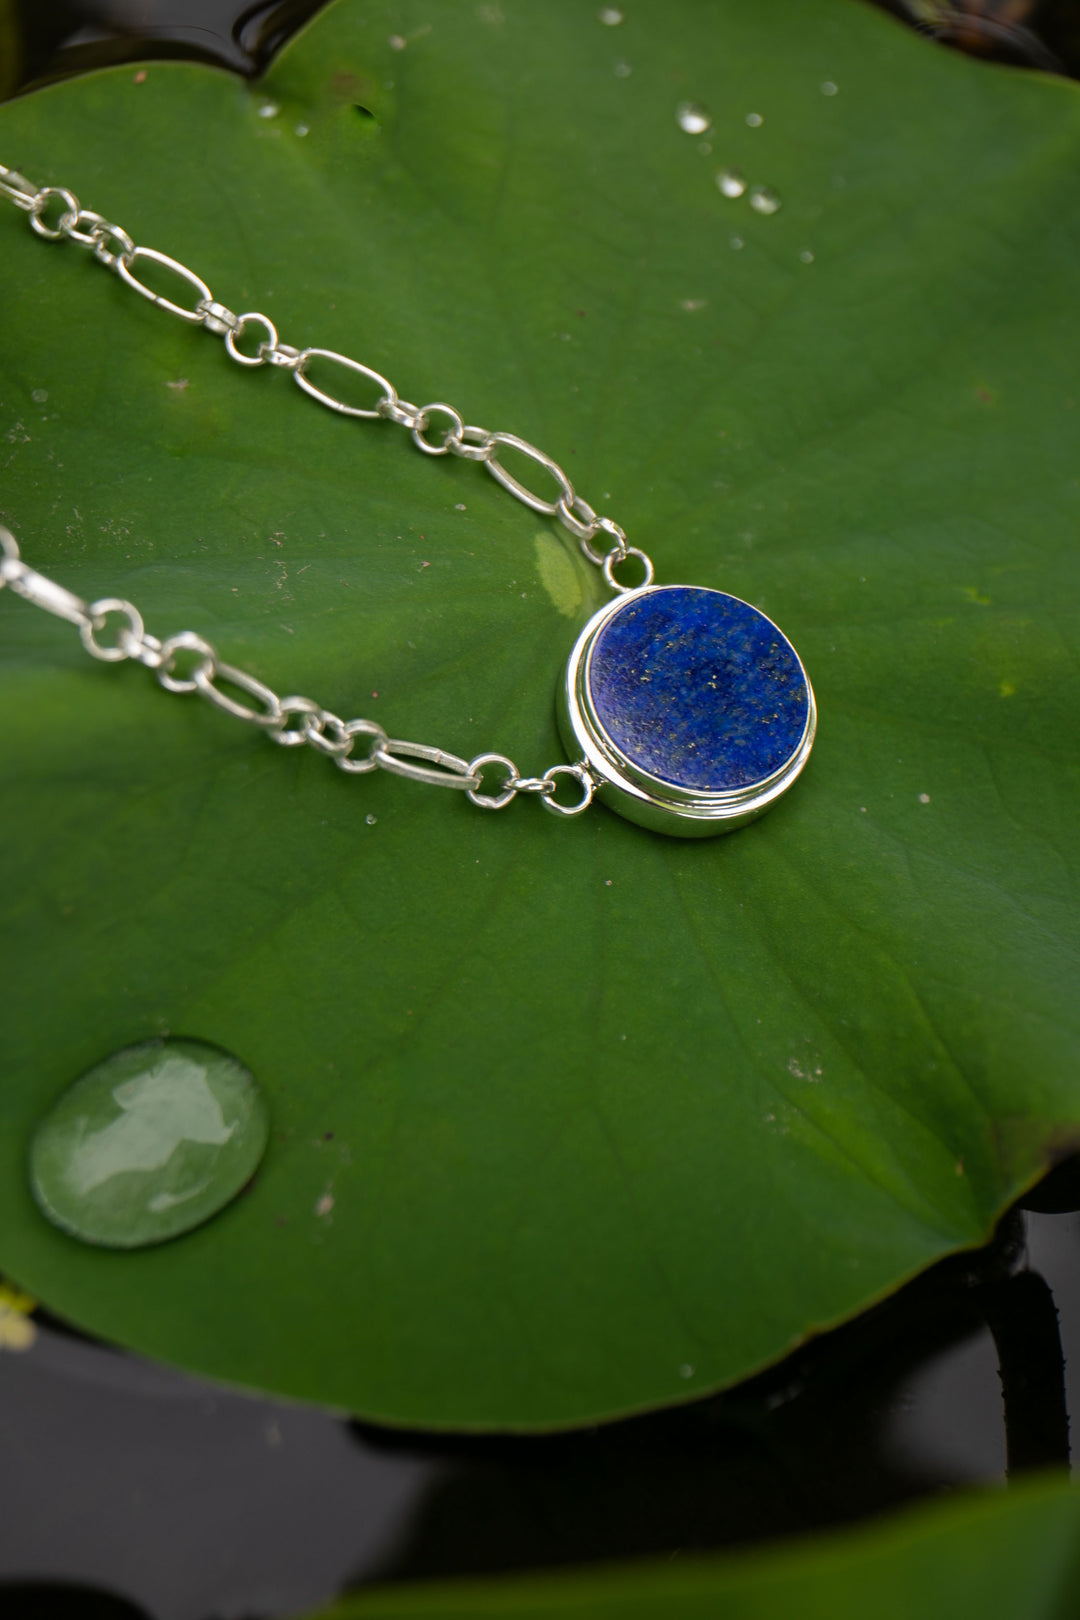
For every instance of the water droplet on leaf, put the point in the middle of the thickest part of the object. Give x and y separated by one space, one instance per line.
622 70
764 201
149 1143
755 120
731 183
828 88
610 16
692 118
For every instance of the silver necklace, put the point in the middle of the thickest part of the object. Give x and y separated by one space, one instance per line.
683 708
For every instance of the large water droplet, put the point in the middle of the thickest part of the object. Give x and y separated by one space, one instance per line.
731 182
764 201
148 1144
692 118
610 16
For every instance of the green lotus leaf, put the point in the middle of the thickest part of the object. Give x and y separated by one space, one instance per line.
570 1119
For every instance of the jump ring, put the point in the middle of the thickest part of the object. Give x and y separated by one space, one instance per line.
270 341
508 791
588 788
185 641
362 728
451 437
134 632
612 561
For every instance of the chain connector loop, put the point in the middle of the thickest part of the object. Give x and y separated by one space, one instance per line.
399 411
41 202
129 639
203 679
533 784
451 437
293 736
299 371
282 354
185 641
508 791
620 549
104 236
362 728
455 772
315 727
580 518
581 774
566 494
267 347
473 444
612 561
124 263
148 652
218 318
74 227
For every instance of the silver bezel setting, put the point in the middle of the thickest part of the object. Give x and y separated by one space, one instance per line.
634 793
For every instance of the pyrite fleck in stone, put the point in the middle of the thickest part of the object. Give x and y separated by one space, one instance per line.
149 1143
699 689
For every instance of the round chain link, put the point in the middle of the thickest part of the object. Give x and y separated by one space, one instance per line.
580 775
451 437
233 337
134 633
185 641
41 202
500 799
612 561
362 728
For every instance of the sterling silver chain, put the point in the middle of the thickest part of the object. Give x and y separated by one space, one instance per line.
186 662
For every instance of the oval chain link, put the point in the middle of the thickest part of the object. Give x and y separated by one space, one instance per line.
316 727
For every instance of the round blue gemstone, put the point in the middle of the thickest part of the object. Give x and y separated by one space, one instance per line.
698 689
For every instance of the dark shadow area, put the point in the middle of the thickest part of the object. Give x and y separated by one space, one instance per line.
194 1501
57 39
1041 34
36 1600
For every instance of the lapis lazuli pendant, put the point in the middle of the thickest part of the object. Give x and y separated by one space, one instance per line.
692 711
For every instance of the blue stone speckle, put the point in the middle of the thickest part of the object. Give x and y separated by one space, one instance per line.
698 689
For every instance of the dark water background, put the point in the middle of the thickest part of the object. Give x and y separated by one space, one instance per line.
129 1490
197 1503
